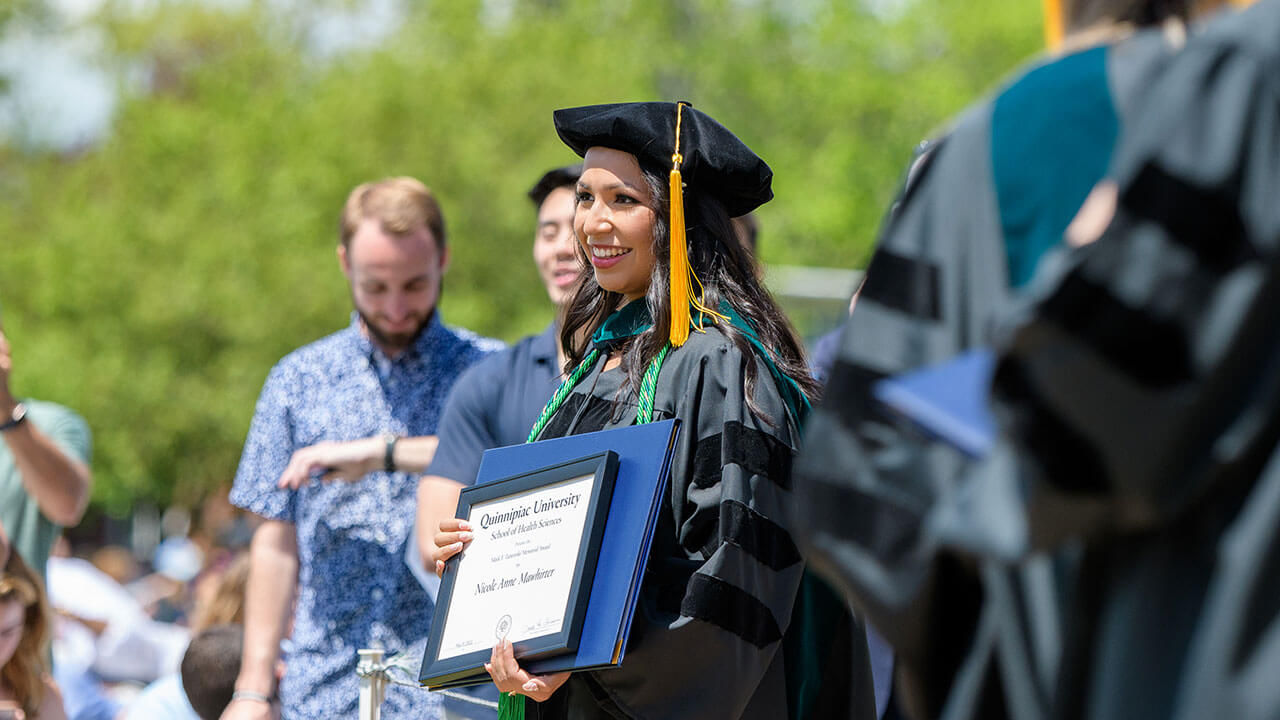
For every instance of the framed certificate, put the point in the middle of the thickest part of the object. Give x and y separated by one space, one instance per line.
527 573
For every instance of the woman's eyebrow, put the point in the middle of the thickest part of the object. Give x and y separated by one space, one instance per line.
611 186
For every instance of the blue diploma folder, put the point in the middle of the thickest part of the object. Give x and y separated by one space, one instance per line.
639 490
947 401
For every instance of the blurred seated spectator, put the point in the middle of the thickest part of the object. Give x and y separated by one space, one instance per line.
219 595
26 688
164 594
219 604
84 697
221 527
209 671
105 629
116 561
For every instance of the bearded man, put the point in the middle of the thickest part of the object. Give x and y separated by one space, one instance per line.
329 557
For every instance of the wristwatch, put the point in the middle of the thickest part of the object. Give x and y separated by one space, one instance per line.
389 454
16 418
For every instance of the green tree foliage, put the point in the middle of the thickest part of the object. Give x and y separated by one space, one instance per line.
151 281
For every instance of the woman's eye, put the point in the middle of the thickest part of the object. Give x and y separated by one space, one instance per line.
584 197
626 199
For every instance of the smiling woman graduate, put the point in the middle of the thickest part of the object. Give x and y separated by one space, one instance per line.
670 320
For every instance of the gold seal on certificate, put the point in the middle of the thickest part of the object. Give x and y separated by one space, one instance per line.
527 572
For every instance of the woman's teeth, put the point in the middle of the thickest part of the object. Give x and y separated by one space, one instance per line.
608 252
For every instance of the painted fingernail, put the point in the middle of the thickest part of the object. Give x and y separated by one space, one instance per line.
464 525
465 536
530 686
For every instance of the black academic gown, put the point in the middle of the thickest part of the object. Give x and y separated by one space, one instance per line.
724 573
1148 365
1116 555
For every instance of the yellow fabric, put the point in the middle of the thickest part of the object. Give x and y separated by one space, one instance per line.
1052 23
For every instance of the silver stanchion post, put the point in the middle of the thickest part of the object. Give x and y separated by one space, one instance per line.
377 672
373 683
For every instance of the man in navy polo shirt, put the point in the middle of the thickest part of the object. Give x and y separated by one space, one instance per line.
496 401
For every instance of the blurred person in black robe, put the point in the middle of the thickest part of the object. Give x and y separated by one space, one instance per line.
1098 562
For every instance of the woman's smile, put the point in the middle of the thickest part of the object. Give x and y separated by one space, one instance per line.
604 256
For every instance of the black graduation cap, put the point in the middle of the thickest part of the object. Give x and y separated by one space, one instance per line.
715 161
676 136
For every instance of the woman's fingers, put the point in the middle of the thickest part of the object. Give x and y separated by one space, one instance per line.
454 525
496 668
504 669
441 555
453 536
509 677
542 687
448 538
452 533
504 657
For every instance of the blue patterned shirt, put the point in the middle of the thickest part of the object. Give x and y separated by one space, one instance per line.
354 588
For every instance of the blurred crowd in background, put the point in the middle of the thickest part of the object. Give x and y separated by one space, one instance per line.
125 613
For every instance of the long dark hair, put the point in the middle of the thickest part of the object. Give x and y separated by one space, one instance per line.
727 272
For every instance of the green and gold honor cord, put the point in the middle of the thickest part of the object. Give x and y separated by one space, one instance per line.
644 404
562 392
511 707
649 386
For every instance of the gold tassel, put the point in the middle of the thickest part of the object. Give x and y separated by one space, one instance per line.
682 296
1053 32
680 289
